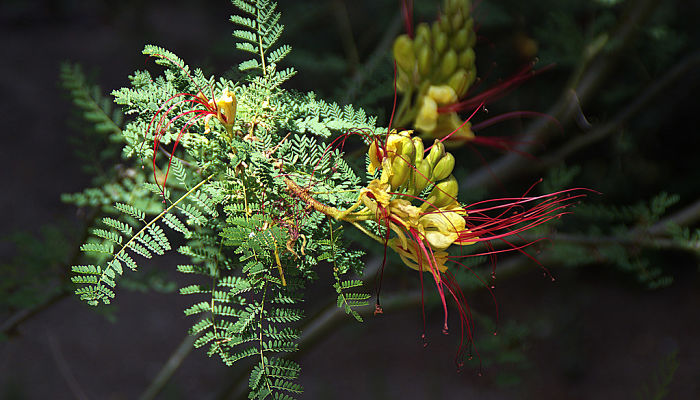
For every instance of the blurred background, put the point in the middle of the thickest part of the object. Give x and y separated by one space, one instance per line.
619 321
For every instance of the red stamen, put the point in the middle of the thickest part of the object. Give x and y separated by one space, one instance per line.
456 130
496 92
407 13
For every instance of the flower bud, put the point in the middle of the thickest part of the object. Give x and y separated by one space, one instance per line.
422 37
457 20
444 167
459 82
403 82
444 23
404 54
407 150
443 193
424 60
421 176
436 153
400 171
418 145
226 104
449 64
466 58
461 39
441 42
470 26
375 155
435 29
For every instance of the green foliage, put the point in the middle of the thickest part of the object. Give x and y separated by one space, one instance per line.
252 244
620 242
344 260
657 387
104 121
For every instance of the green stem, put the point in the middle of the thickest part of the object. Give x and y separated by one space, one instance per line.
154 220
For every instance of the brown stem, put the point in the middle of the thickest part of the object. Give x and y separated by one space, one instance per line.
173 363
304 196
674 75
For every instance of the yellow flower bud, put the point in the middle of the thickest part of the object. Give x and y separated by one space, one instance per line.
436 153
425 60
444 23
400 144
226 104
441 41
403 81
472 38
404 54
457 20
400 171
435 29
418 145
444 167
421 176
374 154
444 193
422 38
461 39
459 82
449 64
466 58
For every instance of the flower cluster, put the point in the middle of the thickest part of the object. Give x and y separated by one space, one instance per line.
435 69
437 221
415 199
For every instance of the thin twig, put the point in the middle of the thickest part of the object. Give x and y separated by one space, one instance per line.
174 362
685 217
675 74
64 369
11 324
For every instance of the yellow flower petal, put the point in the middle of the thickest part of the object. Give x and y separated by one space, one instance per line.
443 94
426 120
442 228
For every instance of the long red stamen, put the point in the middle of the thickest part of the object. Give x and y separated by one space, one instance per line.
512 115
432 264
496 92
407 13
456 130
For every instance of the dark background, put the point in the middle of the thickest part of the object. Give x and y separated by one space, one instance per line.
594 333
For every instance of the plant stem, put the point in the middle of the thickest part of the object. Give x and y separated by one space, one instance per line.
174 362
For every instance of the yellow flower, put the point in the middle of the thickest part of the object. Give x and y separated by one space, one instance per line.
413 256
379 195
441 229
226 104
426 120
